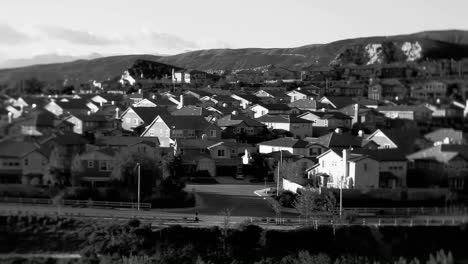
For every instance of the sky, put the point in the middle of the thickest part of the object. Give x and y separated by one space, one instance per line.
83 28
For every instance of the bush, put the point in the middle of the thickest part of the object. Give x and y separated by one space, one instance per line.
209 180
287 199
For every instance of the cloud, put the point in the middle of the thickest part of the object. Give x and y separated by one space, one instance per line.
75 36
9 35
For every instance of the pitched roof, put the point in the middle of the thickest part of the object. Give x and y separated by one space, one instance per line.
382 154
306 103
66 138
277 107
329 115
38 118
90 118
185 122
282 119
442 133
148 114
441 153
335 140
73 104
412 108
196 143
234 120
286 142
339 101
126 141
17 149
191 111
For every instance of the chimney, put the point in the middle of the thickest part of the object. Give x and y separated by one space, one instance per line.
34 105
338 130
100 104
360 133
465 112
117 113
356 114
234 112
112 102
204 137
10 117
181 102
345 163
89 112
153 96
139 91
298 88
21 108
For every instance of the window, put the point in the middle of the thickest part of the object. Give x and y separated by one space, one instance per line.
26 162
202 150
128 120
104 166
365 166
178 133
90 164
220 152
387 146
191 133
212 133
135 121
233 151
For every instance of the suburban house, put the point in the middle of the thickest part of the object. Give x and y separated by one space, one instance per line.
393 166
134 117
405 140
292 145
343 169
15 111
298 126
337 102
219 158
429 90
308 105
279 95
327 121
145 145
97 166
189 76
444 110
59 108
339 140
447 136
239 124
441 165
20 158
245 99
387 89
302 94
29 102
188 127
38 123
84 123
271 109
410 112
191 111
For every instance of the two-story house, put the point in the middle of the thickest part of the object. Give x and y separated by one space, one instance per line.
60 108
20 158
296 125
343 169
134 117
240 124
84 123
410 112
326 121
429 90
188 127
303 94
271 109
97 166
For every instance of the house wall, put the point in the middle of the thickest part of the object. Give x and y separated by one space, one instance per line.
158 129
34 163
145 103
398 168
283 126
54 108
269 149
365 173
78 125
259 111
332 165
226 151
130 120
301 129
290 186
383 141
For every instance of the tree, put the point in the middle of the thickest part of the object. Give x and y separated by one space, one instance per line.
276 206
76 170
125 171
32 86
55 172
310 202
290 170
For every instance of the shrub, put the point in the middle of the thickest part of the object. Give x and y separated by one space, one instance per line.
287 199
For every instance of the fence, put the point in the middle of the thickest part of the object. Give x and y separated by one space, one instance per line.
82 203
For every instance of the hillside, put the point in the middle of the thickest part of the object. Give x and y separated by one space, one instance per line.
77 71
433 45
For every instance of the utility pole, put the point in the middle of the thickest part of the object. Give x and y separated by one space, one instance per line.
341 197
138 198
278 177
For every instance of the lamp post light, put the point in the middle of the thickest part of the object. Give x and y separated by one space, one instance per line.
138 192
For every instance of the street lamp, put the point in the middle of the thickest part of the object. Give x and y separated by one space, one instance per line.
138 197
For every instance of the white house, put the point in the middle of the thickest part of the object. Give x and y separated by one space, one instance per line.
346 169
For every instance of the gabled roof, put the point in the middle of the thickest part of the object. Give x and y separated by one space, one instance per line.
90 118
38 118
442 133
328 115
191 111
73 104
282 119
307 92
248 97
234 120
353 157
126 141
406 108
306 103
339 101
99 154
66 138
17 149
335 140
148 114
185 122
275 107
441 153
286 142
382 154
